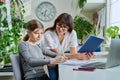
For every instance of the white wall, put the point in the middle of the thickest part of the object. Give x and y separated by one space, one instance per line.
115 13
68 6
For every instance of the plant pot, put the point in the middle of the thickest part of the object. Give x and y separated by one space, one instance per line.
2 64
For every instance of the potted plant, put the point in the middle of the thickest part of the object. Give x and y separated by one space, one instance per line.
81 3
82 27
113 32
10 37
3 27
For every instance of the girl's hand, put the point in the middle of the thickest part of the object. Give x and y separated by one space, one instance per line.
60 59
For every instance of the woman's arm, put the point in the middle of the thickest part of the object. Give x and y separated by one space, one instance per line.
73 50
56 50
73 42
80 56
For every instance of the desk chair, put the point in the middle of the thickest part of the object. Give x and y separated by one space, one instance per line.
17 68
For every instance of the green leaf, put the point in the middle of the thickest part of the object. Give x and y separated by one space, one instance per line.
1 3
1 16
113 31
4 9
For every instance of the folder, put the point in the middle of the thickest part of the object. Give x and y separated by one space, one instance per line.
91 44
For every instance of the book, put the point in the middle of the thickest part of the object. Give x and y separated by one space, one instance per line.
91 44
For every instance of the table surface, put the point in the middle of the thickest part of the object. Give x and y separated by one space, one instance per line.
66 72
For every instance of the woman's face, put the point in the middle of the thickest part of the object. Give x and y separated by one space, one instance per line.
35 35
61 28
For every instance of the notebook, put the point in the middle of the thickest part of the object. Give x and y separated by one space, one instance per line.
91 44
113 58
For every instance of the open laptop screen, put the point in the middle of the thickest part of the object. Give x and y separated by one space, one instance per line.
113 58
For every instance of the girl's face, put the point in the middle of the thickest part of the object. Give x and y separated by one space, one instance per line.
61 28
35 35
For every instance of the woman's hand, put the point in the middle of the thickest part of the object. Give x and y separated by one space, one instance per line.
60 59
84 56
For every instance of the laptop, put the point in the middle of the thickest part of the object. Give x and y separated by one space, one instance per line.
113 58
91 44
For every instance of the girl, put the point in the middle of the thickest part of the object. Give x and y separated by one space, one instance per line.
33 57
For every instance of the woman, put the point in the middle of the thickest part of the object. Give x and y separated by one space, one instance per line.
33 56
61 35
60 38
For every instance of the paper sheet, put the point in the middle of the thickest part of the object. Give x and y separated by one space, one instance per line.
77 62
99 57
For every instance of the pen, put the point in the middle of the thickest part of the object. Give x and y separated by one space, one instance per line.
62 52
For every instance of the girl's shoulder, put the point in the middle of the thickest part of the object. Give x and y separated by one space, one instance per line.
49 31
21 43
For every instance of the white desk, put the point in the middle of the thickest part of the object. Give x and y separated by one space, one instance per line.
66 73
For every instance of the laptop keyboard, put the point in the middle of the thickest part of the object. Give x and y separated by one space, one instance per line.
6 69
97 65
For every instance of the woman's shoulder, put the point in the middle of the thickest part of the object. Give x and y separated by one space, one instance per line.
49 32
73 32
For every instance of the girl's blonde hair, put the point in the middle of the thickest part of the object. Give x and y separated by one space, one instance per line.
31 26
